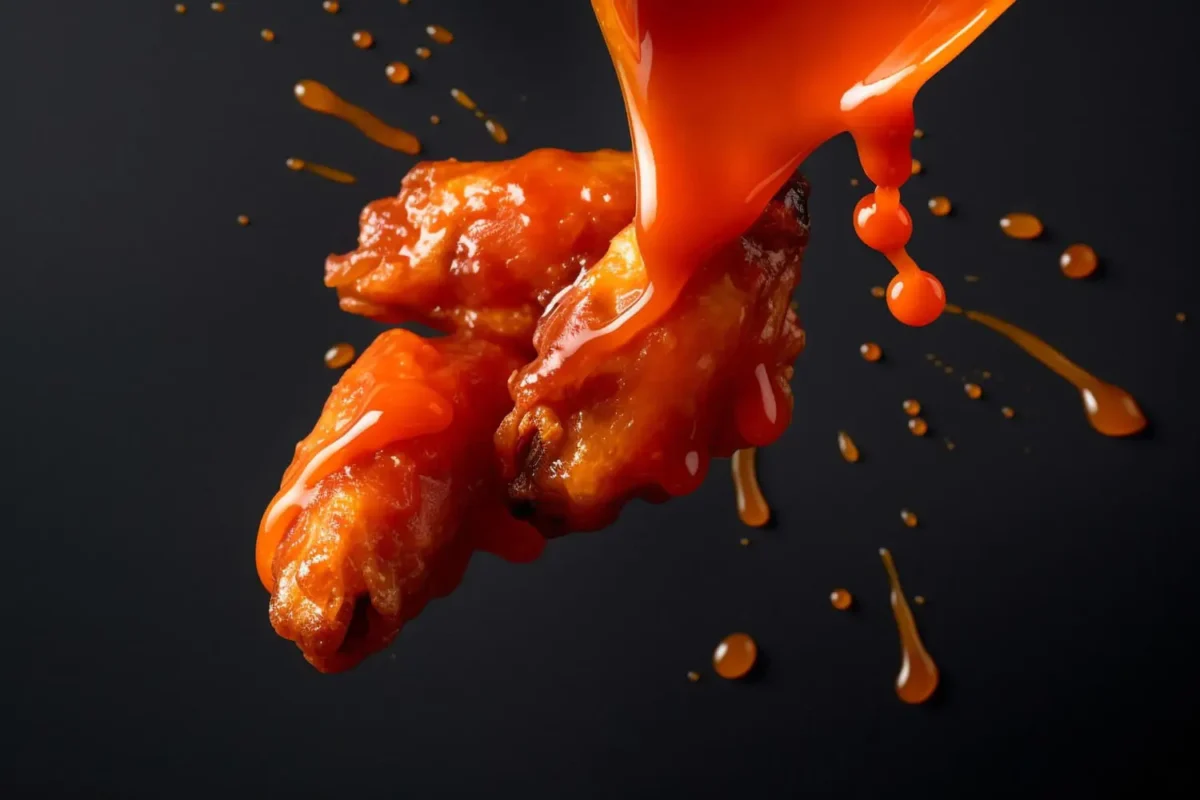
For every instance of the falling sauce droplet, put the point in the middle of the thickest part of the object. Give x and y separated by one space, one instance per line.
398 72
1078 261
218 7
180 8
462 98
847 447
363 40
870 351
735 656
918 133
332 6
267 35
918 426
1021 226
916 167
1007 412
496 130
435 119
693 676
751 505
939 206
243 220
973 390
339 355
841 599
908 518
877 291
1110 409
911 407
319 97
439 34
986 374
918 676
424 52
329 173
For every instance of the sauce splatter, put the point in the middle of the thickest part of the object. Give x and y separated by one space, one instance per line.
318 97
1020 225
940 206
496 130
463 99
918 426
735 656
398 72
439 34
423 52
911 407
918 676
847 447
908 518
1007 412
339 355
751 505
971 278
1110 409
1078 261
870 351
332 6
973 390
243 220
841 599
329 173
363 40
267 35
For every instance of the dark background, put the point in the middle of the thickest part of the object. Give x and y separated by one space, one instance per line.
160 363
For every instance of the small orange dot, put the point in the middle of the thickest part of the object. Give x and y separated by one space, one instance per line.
1008 412
919 600
1180 316
939 206
841 599
218 7
1020 225
744 542
339 355
1078 261
295 164
918 426
435 119
949 369
424 52
332 6
691 676
950 444
877 291
734 657
439 34
916 167
973 390
971 278
918 133
870 351
908 518
911 407
496 130
180 8
363 40
267 35
854 181
243 220
398 72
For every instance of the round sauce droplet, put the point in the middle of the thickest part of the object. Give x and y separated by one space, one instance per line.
295 164
1078 261
735 656
243 220
973 390
841 599
870 351
854 181
363 40
883 226
267 35
1020 225
918 133
878 291
918 426
439 34
917 300
496 130
847 447
1180 316
911 407
424 52
339 355
1007 412
908 518
693 676
398 72
180 8
939 206
435 119
218 7
332 6
916 167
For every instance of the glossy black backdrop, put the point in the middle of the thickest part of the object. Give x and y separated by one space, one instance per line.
161 362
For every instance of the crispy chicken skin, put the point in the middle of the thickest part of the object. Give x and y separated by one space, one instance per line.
484 247
389 495
707 378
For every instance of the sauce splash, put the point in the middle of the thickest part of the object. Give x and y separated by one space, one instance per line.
319 97
918 677
329 173
1110 409
751 505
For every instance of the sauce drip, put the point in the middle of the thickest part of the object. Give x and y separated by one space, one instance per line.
918 676
847 447
339 355
439 34
243 220
751 505
496 130
1110 409
329 173
841 599
870 351
1020 225
940 206
918 426
973 390
1078 261
318 97
734 657
398 72
423 52
463 99
911 407
363 40
908 518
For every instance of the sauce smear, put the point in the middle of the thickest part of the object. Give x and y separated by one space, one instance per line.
918 677
751 505
329 173
1110 409
319 97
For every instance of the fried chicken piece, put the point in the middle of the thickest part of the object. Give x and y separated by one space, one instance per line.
707 378
388 497
484 246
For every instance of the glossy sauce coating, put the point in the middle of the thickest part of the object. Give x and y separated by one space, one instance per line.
318 97
1110 409
329 173
752 506
918 676
734 657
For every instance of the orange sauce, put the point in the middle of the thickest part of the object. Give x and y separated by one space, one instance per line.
423 52
841 599
916 167
434 119
911 407
918 426
847 447
496 130
463 99
693 676
318 97
751 505
734 657
267 35
940 206
398 72
332 6
243 220
908 518
218 7
339 355
1078 261
439 34
180 8
1110 409
1180 316
878 292
918 133
973 390
363 40
918 676
870 351
1007 412
329 173
1020 225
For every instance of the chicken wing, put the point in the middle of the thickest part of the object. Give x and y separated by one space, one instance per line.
388 497
484 246
707 378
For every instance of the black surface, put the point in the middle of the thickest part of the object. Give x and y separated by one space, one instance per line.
161 362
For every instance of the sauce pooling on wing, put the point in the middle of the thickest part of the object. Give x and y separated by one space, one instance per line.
725 101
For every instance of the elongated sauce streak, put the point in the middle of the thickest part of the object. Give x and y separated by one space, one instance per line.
918 676
329 173
751 505
1110 409
318 97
